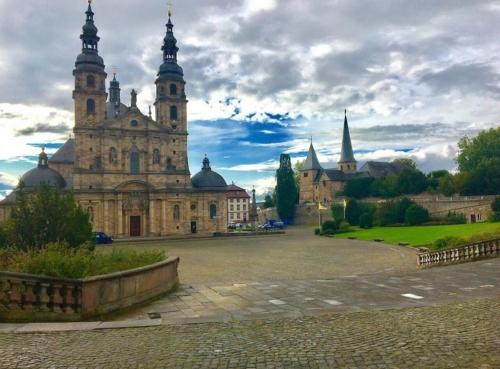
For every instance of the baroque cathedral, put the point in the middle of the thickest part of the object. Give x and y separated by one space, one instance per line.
128 170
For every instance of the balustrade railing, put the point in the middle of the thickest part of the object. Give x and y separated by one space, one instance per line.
25 293
475 251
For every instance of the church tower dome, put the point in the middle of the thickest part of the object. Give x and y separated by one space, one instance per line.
90 78
171 102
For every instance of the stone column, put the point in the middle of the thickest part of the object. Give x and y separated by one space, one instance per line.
106 217
151 217
119 209
164 217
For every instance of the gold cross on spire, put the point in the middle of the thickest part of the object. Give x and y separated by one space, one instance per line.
170 4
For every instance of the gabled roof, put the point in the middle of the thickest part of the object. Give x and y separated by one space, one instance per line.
65 154
312 162
378 169
346 154
236 192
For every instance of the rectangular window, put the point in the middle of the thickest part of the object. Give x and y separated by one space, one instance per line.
238 208
244 207
232 207
306 175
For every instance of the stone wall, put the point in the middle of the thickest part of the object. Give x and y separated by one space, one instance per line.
25 297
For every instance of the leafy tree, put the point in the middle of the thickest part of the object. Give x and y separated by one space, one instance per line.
482 149
358 188
446 185
385 187
299 165
47 216
416 215
406 162
434 177
286 188
411 181
268 202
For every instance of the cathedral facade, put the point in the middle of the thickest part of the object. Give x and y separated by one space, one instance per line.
128 170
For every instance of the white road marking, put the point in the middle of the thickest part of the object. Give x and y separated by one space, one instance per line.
412 296
239 285
277 302
487 286
424 288
309 299
333 302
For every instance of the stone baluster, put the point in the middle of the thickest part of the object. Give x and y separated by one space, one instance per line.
15 295
57 299
44 297
68 294
4 294
29 295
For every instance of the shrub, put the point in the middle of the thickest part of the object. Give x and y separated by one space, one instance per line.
329 227
400 209
455 218
416 215
317 231
353 212
358 187
386 213
344 226
495 204
494 217
62 261
366 220
337 211
449 242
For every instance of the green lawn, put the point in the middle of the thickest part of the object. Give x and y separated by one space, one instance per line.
421 235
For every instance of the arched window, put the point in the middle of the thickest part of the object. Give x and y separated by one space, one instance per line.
177 212
134 123
90 81
173 89
113 156
213 211
173 112
90 107
134 163
169 164
156 156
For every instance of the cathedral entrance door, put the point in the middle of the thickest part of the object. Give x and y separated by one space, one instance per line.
135 226
193 227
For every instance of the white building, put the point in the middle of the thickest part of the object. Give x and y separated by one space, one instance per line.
238 205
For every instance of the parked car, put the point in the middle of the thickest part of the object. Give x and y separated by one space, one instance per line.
231 227
265 227
102 238
279 225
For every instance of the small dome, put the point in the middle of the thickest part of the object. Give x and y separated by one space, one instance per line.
42 174
208 180
89 61
171 71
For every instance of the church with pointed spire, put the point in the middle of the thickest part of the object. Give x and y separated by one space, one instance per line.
128 169
318 184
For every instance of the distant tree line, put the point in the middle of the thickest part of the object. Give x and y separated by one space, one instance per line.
478 174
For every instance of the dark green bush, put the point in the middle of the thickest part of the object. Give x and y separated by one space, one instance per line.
366 220
353 212
344 226
387 214
329 227
416 215
317 231
358 187
337 211
449 242
455 218
495 204
494 217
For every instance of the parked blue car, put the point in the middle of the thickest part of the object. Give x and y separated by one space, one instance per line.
102 238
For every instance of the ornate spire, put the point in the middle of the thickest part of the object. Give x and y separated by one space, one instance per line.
89 36
170 70
114 90
43 159
312 162
346 154
89 58
206 163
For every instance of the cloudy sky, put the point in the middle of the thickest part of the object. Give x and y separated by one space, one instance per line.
264 76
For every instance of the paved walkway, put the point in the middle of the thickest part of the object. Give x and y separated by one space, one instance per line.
293 299
460 335
297 255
